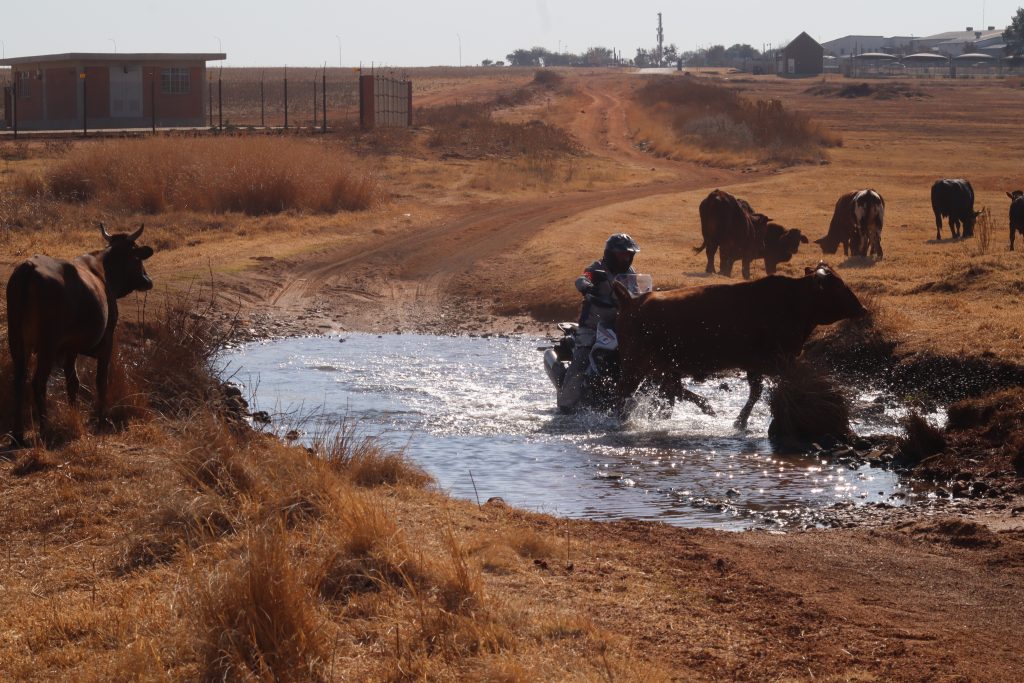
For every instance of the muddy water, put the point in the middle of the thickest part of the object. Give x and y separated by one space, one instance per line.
462 405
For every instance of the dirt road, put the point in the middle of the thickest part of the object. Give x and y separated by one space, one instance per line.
429 278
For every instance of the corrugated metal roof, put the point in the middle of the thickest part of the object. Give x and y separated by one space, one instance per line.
117 57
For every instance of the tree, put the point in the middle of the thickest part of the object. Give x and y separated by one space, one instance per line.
522 58
487 62
643 58
1013 36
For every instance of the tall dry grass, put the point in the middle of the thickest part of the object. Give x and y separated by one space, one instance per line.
716 119
468 130
254 175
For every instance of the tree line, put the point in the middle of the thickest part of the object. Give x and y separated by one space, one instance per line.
715 55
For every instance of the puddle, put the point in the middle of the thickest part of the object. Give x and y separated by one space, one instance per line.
462 404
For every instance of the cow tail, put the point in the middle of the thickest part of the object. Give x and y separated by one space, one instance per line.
697 250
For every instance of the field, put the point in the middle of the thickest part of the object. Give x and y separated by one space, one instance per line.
182 545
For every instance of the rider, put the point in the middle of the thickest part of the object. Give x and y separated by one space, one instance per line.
599 306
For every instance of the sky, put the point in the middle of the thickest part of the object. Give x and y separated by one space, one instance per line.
443 32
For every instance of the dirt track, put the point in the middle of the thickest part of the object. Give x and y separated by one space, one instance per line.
428 278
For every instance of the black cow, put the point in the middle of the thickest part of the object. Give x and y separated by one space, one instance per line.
1016 214
59 309
954 198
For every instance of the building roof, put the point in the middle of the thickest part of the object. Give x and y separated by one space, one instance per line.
963 36
803 39
116 57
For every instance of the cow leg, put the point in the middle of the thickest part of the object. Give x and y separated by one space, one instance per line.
102 376
725 263
756 382
71 379
746 268
846 247
954 227
1013 234
20 376
711 249
44 365
699 401
938 226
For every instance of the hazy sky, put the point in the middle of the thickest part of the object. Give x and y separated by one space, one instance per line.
420 33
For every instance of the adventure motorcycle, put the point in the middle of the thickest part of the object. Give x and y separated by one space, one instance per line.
602 373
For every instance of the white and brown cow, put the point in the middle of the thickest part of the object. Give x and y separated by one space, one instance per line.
856 224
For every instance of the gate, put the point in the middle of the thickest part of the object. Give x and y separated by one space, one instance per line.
384 102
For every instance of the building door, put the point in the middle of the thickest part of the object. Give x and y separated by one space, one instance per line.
792 66
126 91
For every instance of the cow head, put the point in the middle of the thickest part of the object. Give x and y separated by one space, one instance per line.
1015 195
122 263
831 300
780 244
969 221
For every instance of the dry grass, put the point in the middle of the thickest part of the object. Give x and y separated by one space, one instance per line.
469 131
364 461
253 175
808 405
256 621
718 120
921 439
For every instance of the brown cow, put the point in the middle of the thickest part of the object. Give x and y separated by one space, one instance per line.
740 237
729 224
59 309
1016 214
857 223
699 331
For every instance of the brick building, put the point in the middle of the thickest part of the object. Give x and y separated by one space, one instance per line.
50 92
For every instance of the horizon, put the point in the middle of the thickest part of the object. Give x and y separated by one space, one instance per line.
455 32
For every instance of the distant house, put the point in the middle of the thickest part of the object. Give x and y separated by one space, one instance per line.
804 56
107 90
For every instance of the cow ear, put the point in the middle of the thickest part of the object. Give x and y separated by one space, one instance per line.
808 271
804 240
1010 195
144 252
622 294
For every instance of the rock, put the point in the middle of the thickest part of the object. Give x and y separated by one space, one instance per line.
261 417
496 501
732 493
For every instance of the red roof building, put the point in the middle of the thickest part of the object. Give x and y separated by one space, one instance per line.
107 90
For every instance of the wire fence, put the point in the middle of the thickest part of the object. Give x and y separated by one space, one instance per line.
282 98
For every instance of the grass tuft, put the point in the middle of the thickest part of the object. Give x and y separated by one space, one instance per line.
808 405
255 619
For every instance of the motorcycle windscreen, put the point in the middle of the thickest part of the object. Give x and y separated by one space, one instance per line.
636 283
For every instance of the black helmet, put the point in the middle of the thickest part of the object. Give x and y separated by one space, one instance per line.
621 242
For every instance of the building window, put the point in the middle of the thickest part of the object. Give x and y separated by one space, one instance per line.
174 81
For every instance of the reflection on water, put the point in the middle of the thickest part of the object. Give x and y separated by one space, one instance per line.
485 406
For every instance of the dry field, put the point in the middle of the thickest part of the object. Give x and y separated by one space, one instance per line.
182 545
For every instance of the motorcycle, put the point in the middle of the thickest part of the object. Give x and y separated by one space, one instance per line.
602 373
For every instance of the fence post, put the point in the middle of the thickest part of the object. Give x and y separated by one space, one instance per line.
220 102
286 98
152 99
209 83
323 97
14 106
314 103
85 104
262 124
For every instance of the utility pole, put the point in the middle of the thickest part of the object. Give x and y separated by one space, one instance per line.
661 39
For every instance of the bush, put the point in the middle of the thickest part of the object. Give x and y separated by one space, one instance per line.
254 175
807 405
921 439
717 118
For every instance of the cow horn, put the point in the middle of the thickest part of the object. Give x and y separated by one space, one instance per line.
138 233
103 231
